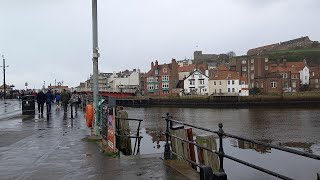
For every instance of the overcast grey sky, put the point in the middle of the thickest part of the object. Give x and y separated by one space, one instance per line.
44 40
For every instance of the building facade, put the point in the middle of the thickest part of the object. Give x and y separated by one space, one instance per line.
197 83
162 79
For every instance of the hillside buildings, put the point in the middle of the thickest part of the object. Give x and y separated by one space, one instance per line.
162 79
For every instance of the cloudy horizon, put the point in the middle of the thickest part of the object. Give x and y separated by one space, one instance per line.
48 40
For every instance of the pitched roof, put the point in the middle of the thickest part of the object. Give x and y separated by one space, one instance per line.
222 68
298 65
192 67
225 75
282 69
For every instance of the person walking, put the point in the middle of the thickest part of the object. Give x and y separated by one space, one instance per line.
41 99
49 100
58 99
65 99
74 102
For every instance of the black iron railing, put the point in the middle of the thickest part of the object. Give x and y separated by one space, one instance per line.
206 172
137 136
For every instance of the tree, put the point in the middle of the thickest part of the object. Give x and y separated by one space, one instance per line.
231 54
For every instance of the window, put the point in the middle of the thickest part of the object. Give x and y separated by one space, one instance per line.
214 83
150 79
252 76
165 92
228 82
165 78
294 84
305 77
200 75
232 81
156 71
220 82
273 84
201 82
156 86
215 91
228 89
165 85
192 82
233 89
220 91
244 68
164 70
284 75
266 68
317 86
252 61
156 79
294 76
266 60
150 87
252 68
316 80
244 62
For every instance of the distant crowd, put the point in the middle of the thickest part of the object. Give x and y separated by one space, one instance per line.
63 98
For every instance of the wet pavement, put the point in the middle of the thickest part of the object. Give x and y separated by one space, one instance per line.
9 108
32 147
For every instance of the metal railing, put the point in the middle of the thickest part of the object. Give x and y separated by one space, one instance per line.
206 172
137 136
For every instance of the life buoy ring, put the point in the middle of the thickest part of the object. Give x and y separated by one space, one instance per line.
89 115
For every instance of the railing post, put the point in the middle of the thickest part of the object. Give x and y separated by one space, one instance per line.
167 151
221 175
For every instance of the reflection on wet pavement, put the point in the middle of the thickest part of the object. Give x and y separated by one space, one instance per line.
32 147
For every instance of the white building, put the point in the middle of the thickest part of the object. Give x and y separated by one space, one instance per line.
227 83
304 75
196 83
185 62
126 81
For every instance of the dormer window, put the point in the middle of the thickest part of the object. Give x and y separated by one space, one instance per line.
156 71
164 70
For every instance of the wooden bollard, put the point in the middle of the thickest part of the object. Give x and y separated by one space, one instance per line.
123 142
205 157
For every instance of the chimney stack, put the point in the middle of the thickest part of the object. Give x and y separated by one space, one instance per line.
152 64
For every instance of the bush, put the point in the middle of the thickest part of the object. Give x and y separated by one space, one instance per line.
254 90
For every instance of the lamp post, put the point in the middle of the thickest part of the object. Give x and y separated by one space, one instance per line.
95 64
4 77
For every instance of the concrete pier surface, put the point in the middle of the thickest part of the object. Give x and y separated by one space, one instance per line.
32 147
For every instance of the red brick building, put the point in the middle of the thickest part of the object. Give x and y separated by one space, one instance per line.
161 80
251 68
315 78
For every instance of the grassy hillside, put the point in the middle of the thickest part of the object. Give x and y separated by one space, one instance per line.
312 55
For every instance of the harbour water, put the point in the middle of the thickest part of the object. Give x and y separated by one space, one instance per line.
291 127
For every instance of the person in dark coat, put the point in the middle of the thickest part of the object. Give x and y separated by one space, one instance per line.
49 100
41 99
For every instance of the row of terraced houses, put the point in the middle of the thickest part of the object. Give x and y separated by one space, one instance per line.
217 75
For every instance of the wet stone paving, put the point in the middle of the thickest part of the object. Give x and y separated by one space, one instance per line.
32 147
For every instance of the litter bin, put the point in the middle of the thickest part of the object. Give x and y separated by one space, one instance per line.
28 105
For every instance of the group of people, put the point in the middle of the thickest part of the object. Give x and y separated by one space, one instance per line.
64 98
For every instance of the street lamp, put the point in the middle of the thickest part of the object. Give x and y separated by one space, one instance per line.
95 64
4 77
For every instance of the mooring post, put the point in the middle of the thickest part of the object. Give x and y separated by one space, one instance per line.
221 175
167 151
206 173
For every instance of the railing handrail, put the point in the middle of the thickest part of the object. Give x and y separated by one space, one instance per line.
129 119
293 151
220 153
